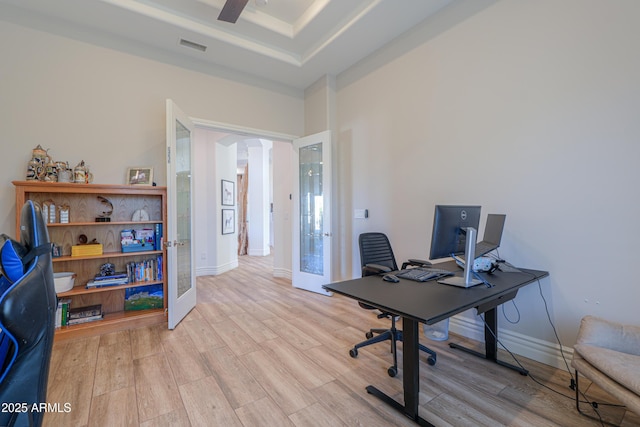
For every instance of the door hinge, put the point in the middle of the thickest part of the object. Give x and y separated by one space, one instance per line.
168 155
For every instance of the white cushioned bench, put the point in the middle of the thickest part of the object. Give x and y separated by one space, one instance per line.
608 353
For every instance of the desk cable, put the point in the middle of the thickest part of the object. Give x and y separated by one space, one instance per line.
594 405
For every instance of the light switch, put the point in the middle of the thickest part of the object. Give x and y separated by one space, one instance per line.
360 213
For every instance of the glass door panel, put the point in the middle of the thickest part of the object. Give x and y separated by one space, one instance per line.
311 230
312 213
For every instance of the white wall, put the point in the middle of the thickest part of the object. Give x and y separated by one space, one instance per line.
85 102
529 109
226 244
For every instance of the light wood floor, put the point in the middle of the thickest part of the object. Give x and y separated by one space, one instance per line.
257 352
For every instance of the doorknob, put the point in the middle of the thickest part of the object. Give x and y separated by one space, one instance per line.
327 234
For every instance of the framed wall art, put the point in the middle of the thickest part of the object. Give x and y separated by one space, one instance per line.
228 221
228 192
141 175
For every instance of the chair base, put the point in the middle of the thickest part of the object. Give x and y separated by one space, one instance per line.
593 405
394 335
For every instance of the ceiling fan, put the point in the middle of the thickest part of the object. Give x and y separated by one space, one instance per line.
232 10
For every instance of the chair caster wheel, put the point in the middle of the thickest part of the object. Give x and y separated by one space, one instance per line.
392 371
431 360
369 335
353 352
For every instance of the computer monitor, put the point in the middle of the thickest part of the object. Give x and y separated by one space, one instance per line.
454 233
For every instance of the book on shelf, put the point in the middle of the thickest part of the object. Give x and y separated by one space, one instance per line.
104 283
84 319
158 242
145 271
144 297
62 312
87 311
116 275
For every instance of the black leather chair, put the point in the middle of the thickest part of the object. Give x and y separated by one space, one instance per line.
27 320
376 258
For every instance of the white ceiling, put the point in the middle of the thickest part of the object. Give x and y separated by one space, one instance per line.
289 42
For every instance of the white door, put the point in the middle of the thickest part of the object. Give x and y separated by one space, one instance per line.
312 212
179 241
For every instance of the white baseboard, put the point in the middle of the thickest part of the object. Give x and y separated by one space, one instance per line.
259 251
218 269
282 272
546 352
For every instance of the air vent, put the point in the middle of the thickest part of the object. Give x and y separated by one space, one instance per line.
193 45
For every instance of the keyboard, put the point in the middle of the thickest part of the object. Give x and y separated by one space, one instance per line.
422 274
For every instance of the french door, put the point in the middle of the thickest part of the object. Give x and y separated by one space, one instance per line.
179 236
312 212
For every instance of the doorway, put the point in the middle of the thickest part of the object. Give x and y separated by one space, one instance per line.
221 153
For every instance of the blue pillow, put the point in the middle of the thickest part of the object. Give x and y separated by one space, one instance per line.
11 255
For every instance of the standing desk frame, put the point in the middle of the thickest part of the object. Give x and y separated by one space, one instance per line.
431 302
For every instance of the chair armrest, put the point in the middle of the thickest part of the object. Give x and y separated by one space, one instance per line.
603 333
416 263
371 269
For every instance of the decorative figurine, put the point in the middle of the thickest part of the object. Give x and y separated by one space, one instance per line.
80 173
108 210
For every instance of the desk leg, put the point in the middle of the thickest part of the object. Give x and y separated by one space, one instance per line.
410 375
490 343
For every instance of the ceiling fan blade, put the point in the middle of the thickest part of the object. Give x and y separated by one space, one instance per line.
231 10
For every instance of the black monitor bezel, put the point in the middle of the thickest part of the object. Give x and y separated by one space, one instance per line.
449 226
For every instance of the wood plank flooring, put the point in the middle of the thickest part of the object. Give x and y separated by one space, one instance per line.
257 352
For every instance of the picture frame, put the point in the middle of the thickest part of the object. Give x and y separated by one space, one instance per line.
140 175
228 221
228 193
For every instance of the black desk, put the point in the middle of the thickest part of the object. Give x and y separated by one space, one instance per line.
431 302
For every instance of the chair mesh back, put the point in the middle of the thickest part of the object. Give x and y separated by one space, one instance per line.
376 249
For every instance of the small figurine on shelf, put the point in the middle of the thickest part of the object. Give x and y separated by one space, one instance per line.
64 214
51 170
63 171
49 211
36 167
81 174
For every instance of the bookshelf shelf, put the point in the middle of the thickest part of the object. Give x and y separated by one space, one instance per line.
77 290
104 256
112 322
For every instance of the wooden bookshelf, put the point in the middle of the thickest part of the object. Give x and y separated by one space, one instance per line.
85 205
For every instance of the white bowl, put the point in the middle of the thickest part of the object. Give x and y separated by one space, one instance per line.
64 281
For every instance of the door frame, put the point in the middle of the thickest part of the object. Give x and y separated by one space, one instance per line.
304 280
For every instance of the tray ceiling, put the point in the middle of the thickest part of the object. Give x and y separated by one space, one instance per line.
290 42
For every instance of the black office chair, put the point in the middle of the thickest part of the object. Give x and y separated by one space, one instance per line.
27 322
376 258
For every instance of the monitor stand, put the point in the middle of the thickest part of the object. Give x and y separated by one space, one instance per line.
466 280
